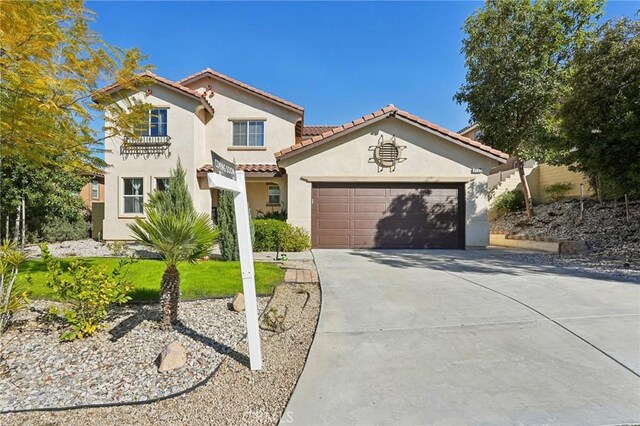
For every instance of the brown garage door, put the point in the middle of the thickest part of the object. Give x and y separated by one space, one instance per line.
387 215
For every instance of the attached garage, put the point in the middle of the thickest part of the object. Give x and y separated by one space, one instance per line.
390 180
387 215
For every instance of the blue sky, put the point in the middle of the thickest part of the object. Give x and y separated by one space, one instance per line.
337 60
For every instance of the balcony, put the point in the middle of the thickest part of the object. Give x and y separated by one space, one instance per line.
146 146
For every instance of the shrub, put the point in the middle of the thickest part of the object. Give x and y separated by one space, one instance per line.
118 248
88 290
277 215
511 201
558 190
59 229
11 298
272 235
228 239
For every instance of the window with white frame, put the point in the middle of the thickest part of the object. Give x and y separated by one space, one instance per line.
162 184
133 195
248 133
157 123
274 194
95 190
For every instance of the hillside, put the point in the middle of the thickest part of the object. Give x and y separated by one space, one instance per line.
604 228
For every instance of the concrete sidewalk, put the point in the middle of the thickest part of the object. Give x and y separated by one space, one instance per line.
468 337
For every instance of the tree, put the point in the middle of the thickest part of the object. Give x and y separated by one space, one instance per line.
173 199
600 119
52 64
517 54
179 235
228 238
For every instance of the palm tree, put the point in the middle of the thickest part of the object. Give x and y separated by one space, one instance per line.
184 236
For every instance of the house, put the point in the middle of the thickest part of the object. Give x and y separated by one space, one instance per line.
505 177
388 179
93 195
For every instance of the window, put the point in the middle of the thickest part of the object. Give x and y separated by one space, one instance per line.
157 124
133 197
274 194
95 190
248 133
162 184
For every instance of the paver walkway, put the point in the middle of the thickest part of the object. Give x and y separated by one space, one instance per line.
468 337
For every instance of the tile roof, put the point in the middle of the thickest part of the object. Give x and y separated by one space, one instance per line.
233 81
165 81
250 168
308 131
389 110
470 126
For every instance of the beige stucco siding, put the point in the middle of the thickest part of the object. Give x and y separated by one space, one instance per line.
428 158
232 103
186 141
548 175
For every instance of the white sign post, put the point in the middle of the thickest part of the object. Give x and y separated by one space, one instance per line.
241 207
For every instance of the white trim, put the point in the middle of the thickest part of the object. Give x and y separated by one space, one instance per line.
121 212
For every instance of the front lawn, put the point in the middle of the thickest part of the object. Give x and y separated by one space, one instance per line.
209 278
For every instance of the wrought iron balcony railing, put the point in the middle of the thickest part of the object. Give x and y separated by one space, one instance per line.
146 146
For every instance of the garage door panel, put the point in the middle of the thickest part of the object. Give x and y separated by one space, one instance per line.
388 215
333 224
333 207
368 207
369 192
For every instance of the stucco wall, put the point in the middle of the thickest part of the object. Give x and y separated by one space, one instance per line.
182 125
428 157
548 175
229 103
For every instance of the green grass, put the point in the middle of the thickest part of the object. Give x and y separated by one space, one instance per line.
211 278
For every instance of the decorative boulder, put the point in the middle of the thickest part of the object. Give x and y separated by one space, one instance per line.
174 356
238 302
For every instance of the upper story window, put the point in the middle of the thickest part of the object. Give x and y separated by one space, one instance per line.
157 124
248 133
95 190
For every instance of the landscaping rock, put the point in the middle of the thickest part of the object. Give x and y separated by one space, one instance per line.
238 302
174 356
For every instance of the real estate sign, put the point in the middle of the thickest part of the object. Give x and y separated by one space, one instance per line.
225 177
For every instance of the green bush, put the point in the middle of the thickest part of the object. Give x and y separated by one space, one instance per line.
511 201
557 191
277 215
228 239
12 298
58 229
88 290
273 234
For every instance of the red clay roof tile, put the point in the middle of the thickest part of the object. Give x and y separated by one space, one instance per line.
245 86
389 110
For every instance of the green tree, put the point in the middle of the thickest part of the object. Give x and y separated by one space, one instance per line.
517 54
179 235
174 199
600 119
52 65
228 238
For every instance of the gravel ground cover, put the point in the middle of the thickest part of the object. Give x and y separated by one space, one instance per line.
234 395
117 364
86 248
613 241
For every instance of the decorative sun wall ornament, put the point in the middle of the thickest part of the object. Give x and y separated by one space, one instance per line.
386 154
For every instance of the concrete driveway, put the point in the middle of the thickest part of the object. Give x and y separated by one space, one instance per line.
468 337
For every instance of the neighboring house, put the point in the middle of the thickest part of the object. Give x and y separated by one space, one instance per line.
93 195
388 179
93 191
505 176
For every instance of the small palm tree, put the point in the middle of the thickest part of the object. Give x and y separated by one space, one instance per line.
178 237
